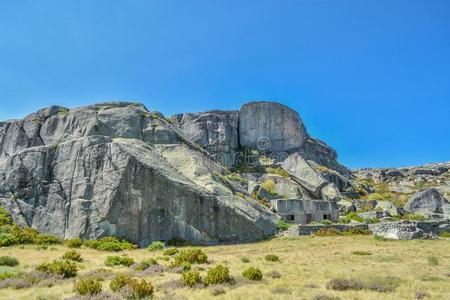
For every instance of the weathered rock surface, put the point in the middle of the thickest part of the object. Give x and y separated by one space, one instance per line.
270 126
216 131
304 174
429 201
116 168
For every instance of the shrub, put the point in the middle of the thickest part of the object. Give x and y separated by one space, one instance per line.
8 273
139 289
186 266
145 264
118 261
73 243
8 261
25 235
236 177
72 255
110 246
444 234
45 239
277 171
88 286
433 261
155 246
362 253
192 256
109 243
134 289
6 239
339 284
282 225
326 222
5 217
252 273
191 278
327 232
245 260
119 282
269 186
59 267
93 244
272 257
414 217
218 274
170 251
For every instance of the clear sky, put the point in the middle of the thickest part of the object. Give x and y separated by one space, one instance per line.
371 78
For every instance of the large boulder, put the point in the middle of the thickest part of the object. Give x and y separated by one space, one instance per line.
428 201
304 174
387 207
269 126
118 169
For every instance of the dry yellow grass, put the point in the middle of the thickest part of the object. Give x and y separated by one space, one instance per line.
306 265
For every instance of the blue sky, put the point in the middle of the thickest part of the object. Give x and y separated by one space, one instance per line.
371 78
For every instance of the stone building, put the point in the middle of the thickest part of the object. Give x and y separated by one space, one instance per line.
301 211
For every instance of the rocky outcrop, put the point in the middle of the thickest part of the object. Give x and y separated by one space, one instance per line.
118 169
311 180
216 131
270 126
429 201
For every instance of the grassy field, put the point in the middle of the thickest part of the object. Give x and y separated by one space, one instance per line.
307 264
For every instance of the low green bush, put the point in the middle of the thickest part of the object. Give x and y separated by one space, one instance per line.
6 273
109 243
8 261
60 267
135 289
192 256
272 257
145 264
88 286
444 234
73 256
139 289
73 243
245 260
191 278
155 246
45 239
119 261
218 274
282 225
6 239
326 222
170 251
414 217
252 273
119 282
186 266
5 217
93 244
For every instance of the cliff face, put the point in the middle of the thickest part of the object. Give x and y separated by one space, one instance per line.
119 169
